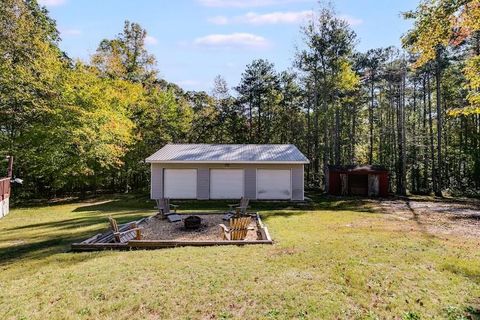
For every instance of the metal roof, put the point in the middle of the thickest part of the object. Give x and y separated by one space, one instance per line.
357 168
228 153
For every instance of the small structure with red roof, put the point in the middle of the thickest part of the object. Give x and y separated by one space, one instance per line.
354 180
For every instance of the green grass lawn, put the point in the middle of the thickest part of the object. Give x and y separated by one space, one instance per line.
332 259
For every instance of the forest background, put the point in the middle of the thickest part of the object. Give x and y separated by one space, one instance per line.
76 127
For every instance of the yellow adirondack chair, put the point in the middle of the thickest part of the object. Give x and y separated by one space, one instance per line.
237 230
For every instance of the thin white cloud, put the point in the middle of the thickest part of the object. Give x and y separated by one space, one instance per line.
286 17
51 3
233 40
253 18
351 20
220 20
149 40
70 32
245 3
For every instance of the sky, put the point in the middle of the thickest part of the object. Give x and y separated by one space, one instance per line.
195 40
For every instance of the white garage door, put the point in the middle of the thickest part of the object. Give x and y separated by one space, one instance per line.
226 183
273 184
180 183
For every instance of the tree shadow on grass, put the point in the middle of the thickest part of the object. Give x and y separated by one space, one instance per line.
45 238
38 249
471 203
40 240
318 202
79 222
127 199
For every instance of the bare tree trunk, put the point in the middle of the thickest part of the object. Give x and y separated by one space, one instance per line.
250 122
477 149
259 136
438 76
403 159
415 171
326 142
432 146
381 131
309 137
352 136
392 152
401 138
337 136
370 120
425 134
316 163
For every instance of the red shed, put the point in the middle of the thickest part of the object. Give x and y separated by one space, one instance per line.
5 190
366 180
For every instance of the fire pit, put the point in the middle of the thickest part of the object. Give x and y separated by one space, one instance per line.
192 222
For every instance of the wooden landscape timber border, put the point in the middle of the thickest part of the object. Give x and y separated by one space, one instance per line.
103 241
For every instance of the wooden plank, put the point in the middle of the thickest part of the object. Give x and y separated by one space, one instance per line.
92 239
169 243
159 244
98 246
265 234
107 237
263 229
259 221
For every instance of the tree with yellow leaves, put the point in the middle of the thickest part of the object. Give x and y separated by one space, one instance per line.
448 23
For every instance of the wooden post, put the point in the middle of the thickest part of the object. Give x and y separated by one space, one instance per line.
373 185
344 184
10 167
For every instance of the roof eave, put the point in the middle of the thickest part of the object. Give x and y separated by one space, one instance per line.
226 162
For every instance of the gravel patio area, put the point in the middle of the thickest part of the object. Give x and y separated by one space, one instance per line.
156 228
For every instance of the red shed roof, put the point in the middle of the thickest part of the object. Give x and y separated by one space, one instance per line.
358 169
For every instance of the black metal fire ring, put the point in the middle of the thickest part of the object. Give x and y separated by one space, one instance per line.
192 222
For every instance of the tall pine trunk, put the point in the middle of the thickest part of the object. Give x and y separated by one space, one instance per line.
401 188
425 133
438 76
370 121
337 136
432 145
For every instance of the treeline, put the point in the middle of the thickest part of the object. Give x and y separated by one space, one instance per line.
76 127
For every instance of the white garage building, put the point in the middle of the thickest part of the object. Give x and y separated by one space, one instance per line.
227 171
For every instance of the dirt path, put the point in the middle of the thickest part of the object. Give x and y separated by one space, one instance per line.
437 216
